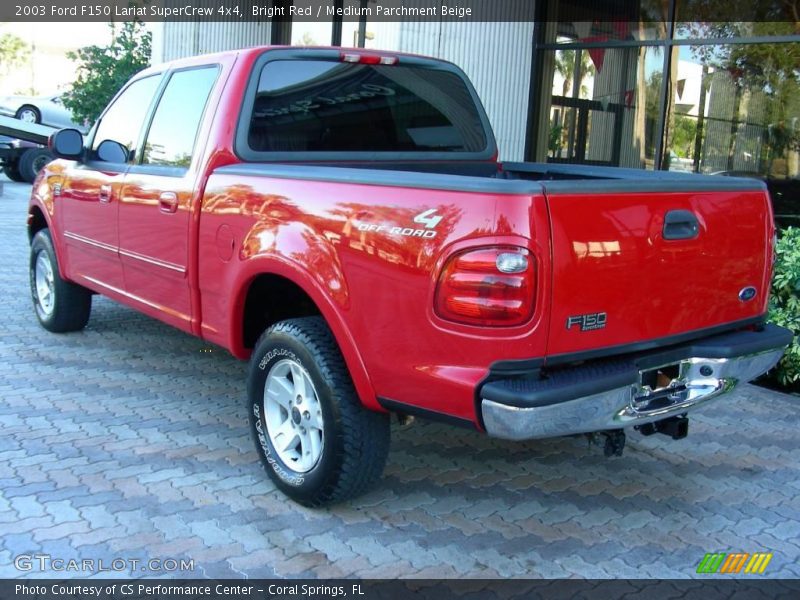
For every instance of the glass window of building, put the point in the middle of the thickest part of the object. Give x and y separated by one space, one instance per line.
667 87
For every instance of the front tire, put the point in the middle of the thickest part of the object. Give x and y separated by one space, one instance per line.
316 441
60 305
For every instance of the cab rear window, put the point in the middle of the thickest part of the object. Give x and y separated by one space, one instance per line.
327 106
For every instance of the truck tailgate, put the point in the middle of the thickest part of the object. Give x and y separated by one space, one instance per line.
631 267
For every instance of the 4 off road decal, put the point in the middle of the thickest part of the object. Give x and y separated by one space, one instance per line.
428 218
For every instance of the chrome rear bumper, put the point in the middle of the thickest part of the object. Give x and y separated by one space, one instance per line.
699 380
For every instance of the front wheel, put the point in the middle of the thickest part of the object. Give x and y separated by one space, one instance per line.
60 305
317 442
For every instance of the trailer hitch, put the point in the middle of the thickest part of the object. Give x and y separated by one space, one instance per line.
675 427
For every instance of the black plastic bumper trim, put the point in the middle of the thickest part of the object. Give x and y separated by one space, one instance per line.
572 357
568 383
424 413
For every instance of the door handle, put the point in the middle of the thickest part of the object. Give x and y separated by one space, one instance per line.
168 202
680 225
105 193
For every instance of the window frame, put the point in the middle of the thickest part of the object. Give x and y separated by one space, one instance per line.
115 167
245 153
137 166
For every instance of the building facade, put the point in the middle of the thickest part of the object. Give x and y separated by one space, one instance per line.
657 84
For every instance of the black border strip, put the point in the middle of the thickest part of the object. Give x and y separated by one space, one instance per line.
571 357
424 413
385 177
530 365
560 178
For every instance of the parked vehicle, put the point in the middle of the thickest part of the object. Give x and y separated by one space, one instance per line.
44 110
339 218
21 161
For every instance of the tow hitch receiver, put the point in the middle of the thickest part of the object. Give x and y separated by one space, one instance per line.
675 427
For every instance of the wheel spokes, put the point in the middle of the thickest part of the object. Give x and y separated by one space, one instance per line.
280 390
44 281
286 436
299 381
293 415
315 442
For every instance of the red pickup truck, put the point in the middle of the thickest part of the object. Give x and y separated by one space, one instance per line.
340 218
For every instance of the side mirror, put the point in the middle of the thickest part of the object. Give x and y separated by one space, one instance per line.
67 143
112 152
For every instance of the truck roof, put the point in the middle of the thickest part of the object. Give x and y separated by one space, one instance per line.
258 50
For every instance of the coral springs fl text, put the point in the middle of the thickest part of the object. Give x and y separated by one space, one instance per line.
190 590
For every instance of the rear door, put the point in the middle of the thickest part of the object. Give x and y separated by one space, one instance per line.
156 199
89 196
633 267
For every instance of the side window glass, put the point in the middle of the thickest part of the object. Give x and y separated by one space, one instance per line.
123 121
170 140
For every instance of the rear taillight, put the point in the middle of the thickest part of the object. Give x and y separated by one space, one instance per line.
489 287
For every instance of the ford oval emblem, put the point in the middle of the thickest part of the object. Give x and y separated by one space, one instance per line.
747 293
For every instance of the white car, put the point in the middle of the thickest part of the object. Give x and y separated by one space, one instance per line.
43 110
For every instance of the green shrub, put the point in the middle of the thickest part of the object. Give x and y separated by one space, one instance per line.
784 306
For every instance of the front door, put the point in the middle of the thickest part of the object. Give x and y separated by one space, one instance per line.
157 197
88 201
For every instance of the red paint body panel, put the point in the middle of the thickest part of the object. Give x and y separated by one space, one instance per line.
378 288
609 255
90 228
192 268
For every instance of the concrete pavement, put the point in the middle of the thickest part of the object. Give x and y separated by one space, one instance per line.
129 441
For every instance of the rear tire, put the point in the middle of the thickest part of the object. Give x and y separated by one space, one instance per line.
60 305
12 172
316 441
31 162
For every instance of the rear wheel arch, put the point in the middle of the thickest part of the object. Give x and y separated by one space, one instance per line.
300 298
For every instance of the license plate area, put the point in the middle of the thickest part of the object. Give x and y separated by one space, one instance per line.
659 388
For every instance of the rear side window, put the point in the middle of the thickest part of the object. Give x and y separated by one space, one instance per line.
170 140
325 106
123 120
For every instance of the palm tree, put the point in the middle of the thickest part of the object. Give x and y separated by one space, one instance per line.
565 66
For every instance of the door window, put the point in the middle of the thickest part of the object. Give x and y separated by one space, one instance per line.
123 120
172 134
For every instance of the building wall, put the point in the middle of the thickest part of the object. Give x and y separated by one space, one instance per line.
495 56
497 59
173 40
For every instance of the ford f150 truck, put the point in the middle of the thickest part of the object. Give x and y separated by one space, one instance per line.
340 218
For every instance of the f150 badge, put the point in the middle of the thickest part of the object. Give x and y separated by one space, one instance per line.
588 322
428 218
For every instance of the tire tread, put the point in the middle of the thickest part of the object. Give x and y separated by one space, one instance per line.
365 446
73 302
